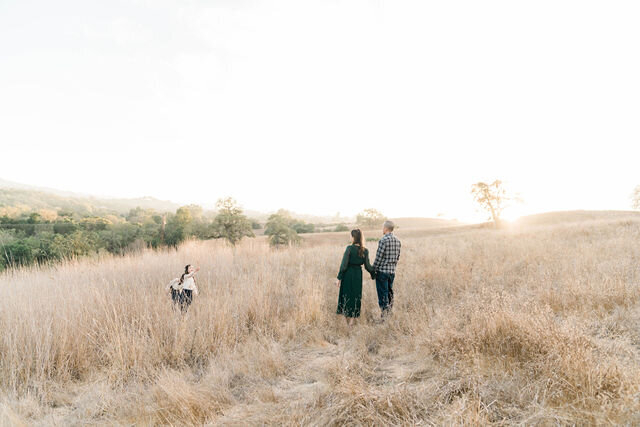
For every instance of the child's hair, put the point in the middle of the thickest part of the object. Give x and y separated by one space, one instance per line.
186 271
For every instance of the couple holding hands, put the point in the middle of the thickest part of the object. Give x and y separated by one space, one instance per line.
383 271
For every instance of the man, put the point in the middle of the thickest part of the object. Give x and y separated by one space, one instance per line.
387 258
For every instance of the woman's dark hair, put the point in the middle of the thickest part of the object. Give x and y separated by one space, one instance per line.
358 240
186 271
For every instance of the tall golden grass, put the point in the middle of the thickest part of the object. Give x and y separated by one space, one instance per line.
539 324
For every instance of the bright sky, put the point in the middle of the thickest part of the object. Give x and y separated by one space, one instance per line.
324 106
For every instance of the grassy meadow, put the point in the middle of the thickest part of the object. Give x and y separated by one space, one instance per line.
536 324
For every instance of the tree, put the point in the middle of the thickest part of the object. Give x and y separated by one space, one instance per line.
635 198
195 211
230 223
139 215
341 227
66 226
279 230
198 225
19 253
370 218
492 198
178 227
302 227
118 236
151 234
94 223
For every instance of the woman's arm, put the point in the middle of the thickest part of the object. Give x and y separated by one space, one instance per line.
368 266
344 264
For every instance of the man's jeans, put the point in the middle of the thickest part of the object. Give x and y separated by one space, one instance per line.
384 286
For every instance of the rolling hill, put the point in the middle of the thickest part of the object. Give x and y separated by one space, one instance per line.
28 199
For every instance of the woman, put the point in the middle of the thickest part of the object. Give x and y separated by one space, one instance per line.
350 277
189 288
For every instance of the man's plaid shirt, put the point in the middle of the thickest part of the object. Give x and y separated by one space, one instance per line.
387 255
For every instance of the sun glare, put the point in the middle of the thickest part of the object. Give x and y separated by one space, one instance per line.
513 214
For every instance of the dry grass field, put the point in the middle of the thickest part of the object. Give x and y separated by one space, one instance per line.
537 324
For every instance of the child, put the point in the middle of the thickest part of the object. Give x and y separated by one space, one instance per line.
176 291
188 285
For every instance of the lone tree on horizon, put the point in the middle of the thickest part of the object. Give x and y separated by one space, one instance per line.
370 218
230 223
491 197
279 229
635 198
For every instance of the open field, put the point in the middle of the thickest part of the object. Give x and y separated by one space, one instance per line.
537 324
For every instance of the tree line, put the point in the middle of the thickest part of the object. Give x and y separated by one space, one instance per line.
32 237
50 236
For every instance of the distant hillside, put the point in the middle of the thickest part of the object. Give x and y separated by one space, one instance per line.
25 199
424 223
552 218
19 186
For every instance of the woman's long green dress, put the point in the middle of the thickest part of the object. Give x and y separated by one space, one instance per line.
350 274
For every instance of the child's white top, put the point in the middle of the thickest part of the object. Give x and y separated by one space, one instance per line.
189 283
